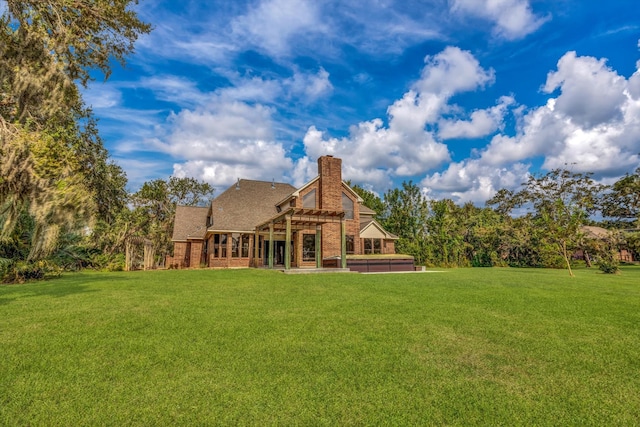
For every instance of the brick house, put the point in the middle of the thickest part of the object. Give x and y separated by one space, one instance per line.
261 223
593 233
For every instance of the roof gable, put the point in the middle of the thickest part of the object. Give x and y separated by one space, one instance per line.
297 192
345 186
190 222
373 230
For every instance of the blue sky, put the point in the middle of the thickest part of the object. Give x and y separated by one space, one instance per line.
463 97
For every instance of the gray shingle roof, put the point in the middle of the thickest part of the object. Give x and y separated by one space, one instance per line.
593 232
190 222
246 204
366 211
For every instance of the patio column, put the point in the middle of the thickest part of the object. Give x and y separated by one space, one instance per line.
287 245
318 246
271 245
343 243
256 252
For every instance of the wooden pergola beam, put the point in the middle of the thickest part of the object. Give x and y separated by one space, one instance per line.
302 218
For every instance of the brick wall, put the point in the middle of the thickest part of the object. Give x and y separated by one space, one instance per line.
196 254
390 247
181 254
229 262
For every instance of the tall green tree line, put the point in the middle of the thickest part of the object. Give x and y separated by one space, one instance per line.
538 225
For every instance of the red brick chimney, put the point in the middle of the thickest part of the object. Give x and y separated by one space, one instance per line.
330 172
330 186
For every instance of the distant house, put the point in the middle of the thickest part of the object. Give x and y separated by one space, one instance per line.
601 234
261 223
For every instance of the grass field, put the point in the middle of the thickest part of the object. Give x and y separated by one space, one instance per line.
247 347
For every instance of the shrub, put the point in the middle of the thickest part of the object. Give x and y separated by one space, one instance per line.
609 263
609 268
23 271
108 262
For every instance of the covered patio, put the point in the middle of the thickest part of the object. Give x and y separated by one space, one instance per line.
295 220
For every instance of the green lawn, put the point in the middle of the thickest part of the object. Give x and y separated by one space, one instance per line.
462 347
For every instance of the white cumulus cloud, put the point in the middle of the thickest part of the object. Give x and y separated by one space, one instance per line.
473 181
376 153
592 125
591 92
482 122
224 141
452 71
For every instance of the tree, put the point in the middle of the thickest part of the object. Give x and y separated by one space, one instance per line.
42 176
155 206
444 234
483 235
53 165
622 201
370 200
405 215
561 202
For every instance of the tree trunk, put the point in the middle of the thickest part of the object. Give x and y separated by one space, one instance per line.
563 245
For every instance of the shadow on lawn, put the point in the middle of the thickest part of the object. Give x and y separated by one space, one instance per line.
72 285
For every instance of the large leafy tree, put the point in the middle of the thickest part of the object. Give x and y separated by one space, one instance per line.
561 202
53 165
155 206
622 201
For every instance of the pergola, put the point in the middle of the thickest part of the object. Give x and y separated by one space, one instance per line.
294 219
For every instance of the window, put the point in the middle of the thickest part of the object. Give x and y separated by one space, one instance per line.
372 246
235 245
309 247
245 246
219 246
239 245
223 246
376 246
309 200
347 206
350 244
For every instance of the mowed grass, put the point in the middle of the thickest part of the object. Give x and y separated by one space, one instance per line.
248 347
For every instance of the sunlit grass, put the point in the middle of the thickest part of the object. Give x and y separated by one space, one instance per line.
464 347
